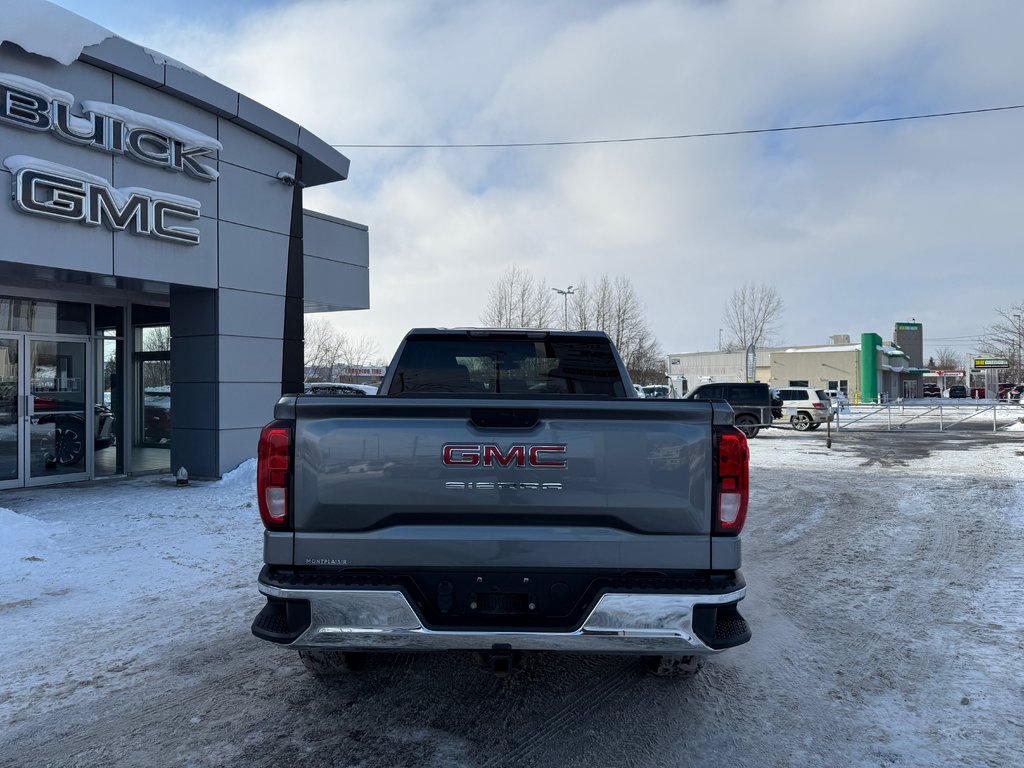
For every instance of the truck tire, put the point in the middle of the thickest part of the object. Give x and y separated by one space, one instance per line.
801 422
674 666
747 425
331 664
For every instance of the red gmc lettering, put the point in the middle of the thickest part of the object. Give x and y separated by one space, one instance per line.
492 455
537 461
461 455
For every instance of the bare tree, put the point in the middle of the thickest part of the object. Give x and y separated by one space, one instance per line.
614 307
581 306
322 345
947 359
752 316
518 300
1005 338
356 352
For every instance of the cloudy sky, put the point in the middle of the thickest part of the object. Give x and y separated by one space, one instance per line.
857 227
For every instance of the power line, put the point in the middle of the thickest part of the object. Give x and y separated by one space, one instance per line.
710 134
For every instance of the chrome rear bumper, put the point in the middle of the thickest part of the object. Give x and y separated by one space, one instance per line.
384 620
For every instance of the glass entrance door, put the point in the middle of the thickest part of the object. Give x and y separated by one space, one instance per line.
10 412
59 430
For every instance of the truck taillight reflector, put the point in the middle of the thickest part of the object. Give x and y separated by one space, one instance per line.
272 469
733 481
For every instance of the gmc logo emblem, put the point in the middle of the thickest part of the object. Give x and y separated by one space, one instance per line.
477 455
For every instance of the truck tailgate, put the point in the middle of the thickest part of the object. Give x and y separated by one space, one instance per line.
624 484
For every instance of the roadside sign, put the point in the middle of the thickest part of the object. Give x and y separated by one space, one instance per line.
991 362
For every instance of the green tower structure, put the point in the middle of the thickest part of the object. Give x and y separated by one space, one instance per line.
869 343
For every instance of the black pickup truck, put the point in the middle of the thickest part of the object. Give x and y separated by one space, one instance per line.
507 491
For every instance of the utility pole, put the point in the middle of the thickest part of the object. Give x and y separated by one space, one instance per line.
719 339
565 304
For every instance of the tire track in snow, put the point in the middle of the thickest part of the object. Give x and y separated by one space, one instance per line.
583 701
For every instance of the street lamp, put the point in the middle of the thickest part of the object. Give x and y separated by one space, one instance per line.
565 304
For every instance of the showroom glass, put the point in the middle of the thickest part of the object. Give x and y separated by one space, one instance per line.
32 316
9 413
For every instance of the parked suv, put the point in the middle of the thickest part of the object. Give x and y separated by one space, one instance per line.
807 408
752 403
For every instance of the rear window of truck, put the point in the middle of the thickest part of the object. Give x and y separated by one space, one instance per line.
502 366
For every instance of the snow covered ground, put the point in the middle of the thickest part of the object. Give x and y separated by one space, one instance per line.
886 594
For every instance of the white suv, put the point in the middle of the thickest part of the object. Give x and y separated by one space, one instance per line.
807 408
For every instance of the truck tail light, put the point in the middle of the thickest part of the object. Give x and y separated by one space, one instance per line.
733 481
273 462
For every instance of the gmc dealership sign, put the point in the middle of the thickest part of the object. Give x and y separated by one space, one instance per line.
57 192
62 193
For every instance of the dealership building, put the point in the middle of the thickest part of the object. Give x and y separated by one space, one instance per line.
870 370
156 260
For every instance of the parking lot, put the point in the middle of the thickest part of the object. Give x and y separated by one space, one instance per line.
886 585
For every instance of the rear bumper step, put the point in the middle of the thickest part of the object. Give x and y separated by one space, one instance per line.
384 620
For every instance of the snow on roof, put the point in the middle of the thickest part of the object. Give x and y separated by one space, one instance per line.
829 348
891 351
45 29
48 30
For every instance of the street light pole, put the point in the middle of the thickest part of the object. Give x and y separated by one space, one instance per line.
565 304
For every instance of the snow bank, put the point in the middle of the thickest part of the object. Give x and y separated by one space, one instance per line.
24 537
241 477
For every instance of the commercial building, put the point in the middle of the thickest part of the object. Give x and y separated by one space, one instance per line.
867 371
156 259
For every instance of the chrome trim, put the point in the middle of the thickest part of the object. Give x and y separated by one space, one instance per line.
384 620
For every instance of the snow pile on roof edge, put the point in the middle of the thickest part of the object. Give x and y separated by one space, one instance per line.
45 29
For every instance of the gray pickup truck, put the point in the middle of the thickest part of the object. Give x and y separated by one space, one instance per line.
507 491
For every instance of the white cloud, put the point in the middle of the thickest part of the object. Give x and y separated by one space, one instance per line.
858 227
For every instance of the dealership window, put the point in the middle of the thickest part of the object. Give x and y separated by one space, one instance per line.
151 435
109 393
842 385
31 316
796 383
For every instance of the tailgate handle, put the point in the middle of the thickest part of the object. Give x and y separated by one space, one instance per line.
504 418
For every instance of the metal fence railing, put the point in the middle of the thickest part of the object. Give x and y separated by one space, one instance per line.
930 417
972 416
